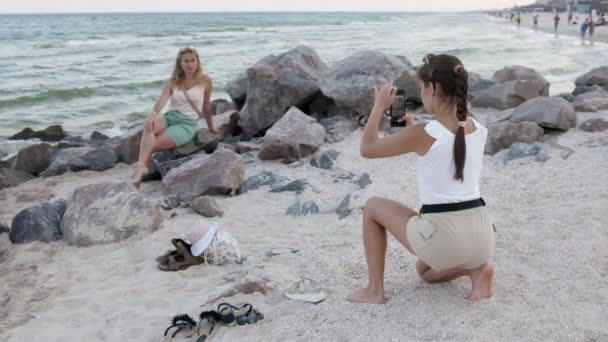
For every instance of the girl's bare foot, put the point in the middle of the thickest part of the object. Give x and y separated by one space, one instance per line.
481 280
138 174
365 295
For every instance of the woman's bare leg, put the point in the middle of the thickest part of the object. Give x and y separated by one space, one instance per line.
380 215
481 278
152 140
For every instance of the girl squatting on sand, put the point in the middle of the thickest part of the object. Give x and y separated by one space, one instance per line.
189 90
452 236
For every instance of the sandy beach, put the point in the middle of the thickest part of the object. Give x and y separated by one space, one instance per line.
545 24
551 260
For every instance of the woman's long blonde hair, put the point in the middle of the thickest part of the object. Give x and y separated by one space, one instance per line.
178 76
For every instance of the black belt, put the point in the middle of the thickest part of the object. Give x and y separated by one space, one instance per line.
447 207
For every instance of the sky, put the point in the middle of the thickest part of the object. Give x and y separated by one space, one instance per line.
78 6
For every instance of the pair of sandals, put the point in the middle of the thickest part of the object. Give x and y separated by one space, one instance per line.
179 259
229 315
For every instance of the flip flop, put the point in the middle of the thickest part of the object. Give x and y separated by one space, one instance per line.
245 314
307 290
184 325
207 323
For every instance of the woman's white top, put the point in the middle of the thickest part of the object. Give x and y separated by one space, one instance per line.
436 169
179 102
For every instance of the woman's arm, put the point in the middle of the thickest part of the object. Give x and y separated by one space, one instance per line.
207 105
409 139
150 123
164 97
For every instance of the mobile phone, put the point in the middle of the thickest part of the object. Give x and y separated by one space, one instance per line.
397 109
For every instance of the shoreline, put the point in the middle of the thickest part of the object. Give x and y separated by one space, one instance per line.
545 25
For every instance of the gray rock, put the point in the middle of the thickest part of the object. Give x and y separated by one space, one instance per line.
246 146
338 128
298 186
129 147
10 178
302 208
582 89
33 159
38 223
514 85
262 179
157 159
51 133
567 96
296 135
480 85
591 102
597 76
206 206
325 160
351 82
507 95
503 134
219 173
226 122
106 213
220 106
343 209
594 125
237 89
520 150
290 79
364 180
547 112
228 146
98 158
165 167
97 136
207 140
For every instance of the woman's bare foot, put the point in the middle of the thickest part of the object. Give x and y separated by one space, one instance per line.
365 295
138 174
481 280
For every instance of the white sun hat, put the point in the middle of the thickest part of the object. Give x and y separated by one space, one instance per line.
201 236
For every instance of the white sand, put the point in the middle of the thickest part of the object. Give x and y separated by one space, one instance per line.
551 261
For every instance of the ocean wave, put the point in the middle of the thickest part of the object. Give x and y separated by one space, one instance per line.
50 45
77 93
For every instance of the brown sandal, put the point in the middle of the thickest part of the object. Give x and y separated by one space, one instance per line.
179 259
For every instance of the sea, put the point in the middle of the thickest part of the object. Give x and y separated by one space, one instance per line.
104 72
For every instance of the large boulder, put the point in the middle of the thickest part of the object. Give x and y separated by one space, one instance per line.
547 112
290 79
220 106
10 177
96 158
597 76
108 212
38 223
338 128
591 102
237 88
129 147
515 85
294 136
219 173
33 159
594 125
502 134
225 122
351 82
51 133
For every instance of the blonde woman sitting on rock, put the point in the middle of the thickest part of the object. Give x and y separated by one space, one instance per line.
452 235
189 91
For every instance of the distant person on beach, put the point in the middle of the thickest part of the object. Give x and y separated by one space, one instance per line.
570 17
601 21
591 28
189 91
556 20
584 27
535 22
452 235
518 19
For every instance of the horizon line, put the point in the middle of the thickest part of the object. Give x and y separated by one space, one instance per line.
248 11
